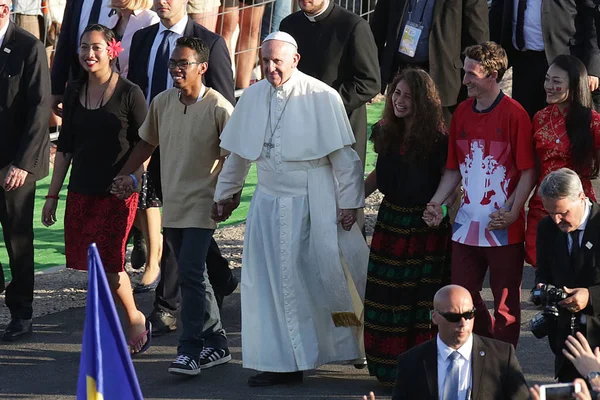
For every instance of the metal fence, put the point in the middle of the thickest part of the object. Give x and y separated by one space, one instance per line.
243 26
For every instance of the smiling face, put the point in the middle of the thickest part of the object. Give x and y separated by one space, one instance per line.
93 55
477 80
279 60
556 85
402 100
311 6
190 74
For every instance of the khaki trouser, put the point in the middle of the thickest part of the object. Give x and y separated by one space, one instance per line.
31 23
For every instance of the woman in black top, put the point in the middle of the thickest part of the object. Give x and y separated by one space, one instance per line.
409 261
102 114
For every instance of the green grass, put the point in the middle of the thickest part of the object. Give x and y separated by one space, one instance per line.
49 242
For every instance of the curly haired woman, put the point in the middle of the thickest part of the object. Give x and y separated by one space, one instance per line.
409 260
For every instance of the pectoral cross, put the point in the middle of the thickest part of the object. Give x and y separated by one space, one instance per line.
269 145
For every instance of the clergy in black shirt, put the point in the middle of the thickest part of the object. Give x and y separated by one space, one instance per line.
338 48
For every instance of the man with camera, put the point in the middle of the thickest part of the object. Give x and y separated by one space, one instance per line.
568 268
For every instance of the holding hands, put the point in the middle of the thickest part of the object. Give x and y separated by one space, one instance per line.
123 186
433 214
502 218
347 218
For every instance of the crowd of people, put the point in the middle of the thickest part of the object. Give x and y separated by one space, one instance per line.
150 120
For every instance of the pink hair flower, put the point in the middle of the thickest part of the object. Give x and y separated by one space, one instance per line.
114 49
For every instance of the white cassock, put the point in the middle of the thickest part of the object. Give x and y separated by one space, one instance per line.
303 276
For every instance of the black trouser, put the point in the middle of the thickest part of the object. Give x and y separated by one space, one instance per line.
16 217
217 267
529 73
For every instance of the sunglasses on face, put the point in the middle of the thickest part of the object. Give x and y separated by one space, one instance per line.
455 317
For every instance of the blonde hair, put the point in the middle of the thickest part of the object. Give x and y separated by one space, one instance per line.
137 4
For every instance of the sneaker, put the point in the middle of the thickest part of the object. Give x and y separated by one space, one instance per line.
210 357
184 365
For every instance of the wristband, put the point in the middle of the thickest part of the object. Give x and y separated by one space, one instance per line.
53 196
444 210
134 179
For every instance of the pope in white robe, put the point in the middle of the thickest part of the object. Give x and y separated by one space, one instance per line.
304 262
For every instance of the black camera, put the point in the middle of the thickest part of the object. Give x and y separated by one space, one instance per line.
548 296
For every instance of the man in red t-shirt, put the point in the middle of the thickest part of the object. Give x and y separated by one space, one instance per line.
491 150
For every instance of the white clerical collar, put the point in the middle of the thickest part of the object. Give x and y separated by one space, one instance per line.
289 84
465 350
312 18
178 28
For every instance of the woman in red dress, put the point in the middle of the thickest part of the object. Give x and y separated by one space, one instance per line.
102 114
566 135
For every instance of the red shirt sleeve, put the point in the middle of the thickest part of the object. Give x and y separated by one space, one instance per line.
522 139
595 129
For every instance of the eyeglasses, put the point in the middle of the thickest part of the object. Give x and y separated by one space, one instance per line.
180 64
455 317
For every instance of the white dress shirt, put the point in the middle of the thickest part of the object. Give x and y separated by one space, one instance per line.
3 33
139 19
532 30
106 17
464 365
179 29
586 217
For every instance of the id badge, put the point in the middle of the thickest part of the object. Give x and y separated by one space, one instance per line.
410 39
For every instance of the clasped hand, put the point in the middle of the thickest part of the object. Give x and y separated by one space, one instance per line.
222 209
122 187
347 218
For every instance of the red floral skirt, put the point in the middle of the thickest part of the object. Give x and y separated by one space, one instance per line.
104 220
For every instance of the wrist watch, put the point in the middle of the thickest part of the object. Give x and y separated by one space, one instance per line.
592 375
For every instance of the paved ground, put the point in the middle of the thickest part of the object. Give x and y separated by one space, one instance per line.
46 365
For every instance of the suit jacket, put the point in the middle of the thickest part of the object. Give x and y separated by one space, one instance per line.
219 75
456 25
553 266
66 63
568 27
24 103
339 50
496 372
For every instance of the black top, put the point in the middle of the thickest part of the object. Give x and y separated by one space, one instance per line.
100 140
408 184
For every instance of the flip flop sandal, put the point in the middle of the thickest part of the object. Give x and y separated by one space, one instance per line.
146 345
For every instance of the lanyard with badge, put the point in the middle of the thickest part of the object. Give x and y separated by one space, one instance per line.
412 30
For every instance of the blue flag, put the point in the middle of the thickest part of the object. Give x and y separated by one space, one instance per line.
105 369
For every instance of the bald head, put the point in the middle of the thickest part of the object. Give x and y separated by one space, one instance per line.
453 315
279 60
449 295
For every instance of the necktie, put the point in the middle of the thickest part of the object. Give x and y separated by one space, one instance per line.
519 33
159 74
575 248
450 391
95 12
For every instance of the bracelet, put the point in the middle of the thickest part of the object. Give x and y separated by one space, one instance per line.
53 196
134 179
444 210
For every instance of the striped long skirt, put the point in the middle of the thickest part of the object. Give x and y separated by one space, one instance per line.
409 262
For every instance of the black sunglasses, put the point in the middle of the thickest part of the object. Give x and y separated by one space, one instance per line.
455 317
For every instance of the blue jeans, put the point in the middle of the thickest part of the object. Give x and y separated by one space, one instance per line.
198 303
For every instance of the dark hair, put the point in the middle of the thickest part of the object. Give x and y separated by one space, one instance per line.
427 119
491 56
579 116
196 44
